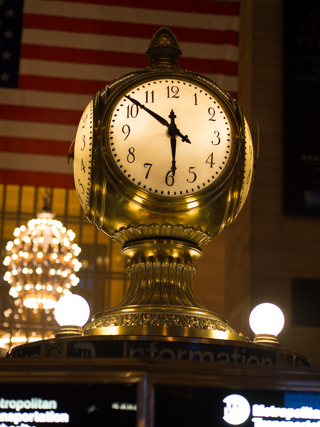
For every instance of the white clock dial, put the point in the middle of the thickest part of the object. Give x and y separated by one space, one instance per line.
83 156
248 165
170 137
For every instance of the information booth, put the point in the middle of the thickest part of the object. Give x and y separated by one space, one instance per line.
147 392
159 358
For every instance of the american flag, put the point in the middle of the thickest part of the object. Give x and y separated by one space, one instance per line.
54 55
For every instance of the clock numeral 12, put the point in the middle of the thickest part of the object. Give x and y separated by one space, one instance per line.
172 92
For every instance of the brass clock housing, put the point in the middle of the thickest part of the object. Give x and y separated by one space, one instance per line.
162 230
211 209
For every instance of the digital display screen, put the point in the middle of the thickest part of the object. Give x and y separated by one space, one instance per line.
194 406
112 405
73 405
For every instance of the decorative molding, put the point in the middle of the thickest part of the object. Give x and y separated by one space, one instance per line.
161 319
178 232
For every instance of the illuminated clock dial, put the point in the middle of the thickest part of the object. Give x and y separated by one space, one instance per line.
170 137
83 156
248 165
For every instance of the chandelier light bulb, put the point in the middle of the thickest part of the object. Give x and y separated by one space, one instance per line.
40 261
72 310
266 320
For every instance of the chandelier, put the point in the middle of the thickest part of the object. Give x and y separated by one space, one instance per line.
41 262
22 325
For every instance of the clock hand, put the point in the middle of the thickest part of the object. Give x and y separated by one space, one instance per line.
173 152
173 130
173 141
170 175
152 113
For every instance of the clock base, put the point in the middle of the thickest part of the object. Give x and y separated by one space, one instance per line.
148 349
160 300
172 321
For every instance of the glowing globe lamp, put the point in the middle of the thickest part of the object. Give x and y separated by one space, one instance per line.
266 321
71 312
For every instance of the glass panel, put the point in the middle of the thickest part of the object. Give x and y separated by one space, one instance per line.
40 192
9 226
12 198
102 277
117 261
27 200
88 234
75 228
102 237
58 201
74 207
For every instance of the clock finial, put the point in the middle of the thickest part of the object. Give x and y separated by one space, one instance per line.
164 48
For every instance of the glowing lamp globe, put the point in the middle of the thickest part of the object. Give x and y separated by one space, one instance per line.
266 322
72 310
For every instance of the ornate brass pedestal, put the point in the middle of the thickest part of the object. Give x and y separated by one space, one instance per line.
162 207
163 212
160 299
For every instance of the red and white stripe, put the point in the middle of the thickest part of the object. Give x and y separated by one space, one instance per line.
71 49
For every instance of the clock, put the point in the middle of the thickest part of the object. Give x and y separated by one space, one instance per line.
83 156
248 166
162 148
163 162
170 137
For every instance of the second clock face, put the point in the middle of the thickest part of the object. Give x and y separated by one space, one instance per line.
170 137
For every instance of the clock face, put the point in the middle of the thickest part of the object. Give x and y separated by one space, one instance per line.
248 165
170 137
83 156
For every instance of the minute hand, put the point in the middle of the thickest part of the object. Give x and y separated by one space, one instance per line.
152 113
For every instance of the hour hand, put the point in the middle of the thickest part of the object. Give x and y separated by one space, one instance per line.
183 137
174 131
152 113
